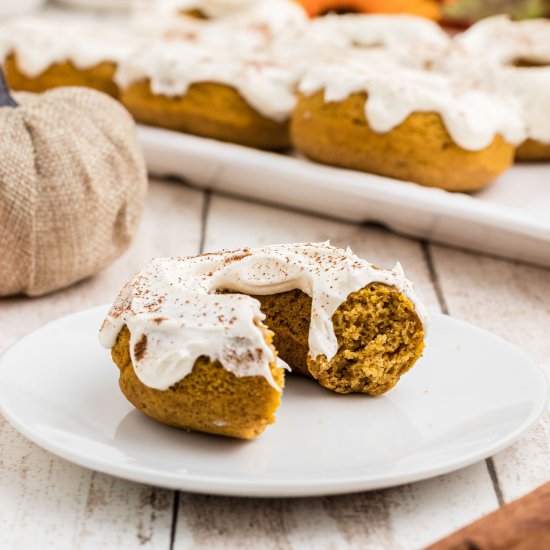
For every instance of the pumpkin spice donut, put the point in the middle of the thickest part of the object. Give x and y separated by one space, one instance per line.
408 39
200 341
191 89
405 124
40 54
522 49
233 27
530 88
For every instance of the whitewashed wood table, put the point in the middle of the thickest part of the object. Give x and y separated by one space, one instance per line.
46 502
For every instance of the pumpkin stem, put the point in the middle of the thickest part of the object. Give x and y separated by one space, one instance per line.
5 98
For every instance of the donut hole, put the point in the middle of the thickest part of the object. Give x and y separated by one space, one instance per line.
288 316
339 10
523 62
194 13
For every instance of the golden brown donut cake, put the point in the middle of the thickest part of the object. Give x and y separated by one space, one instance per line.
404 124
210 399
533 150
100 77
207 109
379 334
202 91
201 342
40 54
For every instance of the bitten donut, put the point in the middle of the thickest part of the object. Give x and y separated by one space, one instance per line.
195 90
40 54
200 342
522 50
406 124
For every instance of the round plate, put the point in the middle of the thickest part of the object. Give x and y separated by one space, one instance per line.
471 395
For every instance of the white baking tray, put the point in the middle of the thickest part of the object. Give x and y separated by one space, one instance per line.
511 218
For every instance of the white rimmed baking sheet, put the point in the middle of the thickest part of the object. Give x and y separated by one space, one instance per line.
511 218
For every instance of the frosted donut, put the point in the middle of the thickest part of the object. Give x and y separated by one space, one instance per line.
406 124
507 42
392 32
203 92
530 88
522 49
245 23
40 54
200 341
335 39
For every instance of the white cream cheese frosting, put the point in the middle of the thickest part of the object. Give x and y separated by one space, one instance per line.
506 41
530 88
393 32
221 8
172 66
527 87
472 116
38 43
175 315
251 28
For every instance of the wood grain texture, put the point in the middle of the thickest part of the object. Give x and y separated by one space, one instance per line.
405 517
513 301
521 525
46 502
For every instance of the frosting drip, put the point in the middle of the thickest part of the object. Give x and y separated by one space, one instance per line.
171 67
267 49
472 117
507 42
393 32
38 43
175 315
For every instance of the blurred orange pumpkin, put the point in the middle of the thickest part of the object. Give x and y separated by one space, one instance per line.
426 8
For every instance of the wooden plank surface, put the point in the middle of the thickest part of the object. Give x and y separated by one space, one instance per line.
48 501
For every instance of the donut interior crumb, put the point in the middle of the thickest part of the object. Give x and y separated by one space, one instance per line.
378 332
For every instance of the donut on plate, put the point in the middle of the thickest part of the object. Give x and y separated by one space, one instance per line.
40 54
190 89
522 50
201 342
405 124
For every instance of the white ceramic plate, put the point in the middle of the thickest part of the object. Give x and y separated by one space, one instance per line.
471 395
511 218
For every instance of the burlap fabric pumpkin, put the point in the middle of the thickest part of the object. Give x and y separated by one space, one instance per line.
72 184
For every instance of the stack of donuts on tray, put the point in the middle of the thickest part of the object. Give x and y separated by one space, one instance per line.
393 95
